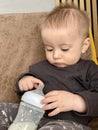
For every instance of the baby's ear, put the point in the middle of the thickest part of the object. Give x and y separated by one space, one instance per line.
86 45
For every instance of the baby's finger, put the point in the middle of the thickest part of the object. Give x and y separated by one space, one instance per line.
54 112
50 106
37 83
52 93
50 99
23 88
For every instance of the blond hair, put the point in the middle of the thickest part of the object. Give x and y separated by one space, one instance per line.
67 16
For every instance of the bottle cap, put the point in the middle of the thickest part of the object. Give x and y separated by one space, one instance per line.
34 97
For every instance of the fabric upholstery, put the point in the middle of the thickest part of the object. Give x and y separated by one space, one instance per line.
20 46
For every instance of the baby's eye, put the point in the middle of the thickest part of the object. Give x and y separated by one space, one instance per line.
65 49
49 49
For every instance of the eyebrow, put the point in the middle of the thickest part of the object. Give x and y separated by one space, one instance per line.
48 43
66 45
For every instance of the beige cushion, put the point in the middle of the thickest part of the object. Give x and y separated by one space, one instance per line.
20 46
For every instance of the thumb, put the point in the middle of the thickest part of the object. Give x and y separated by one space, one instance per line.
37 83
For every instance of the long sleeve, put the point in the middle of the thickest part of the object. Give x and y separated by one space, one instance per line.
90 94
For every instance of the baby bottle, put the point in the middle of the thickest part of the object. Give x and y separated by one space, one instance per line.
30 112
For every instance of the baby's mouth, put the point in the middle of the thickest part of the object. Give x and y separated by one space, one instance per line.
58 64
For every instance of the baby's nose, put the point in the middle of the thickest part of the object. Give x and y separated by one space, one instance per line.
56 55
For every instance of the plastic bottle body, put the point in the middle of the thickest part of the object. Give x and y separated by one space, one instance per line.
30 112
27 118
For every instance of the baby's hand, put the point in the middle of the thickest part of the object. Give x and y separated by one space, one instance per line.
59 101
63 101
29 82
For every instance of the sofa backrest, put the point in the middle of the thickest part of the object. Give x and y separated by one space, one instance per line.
20 46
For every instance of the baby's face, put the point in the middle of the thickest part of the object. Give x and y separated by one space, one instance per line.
63 47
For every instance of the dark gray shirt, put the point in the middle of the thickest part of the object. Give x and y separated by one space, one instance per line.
81 78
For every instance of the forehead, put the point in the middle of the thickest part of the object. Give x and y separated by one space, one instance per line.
60 33
60 37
